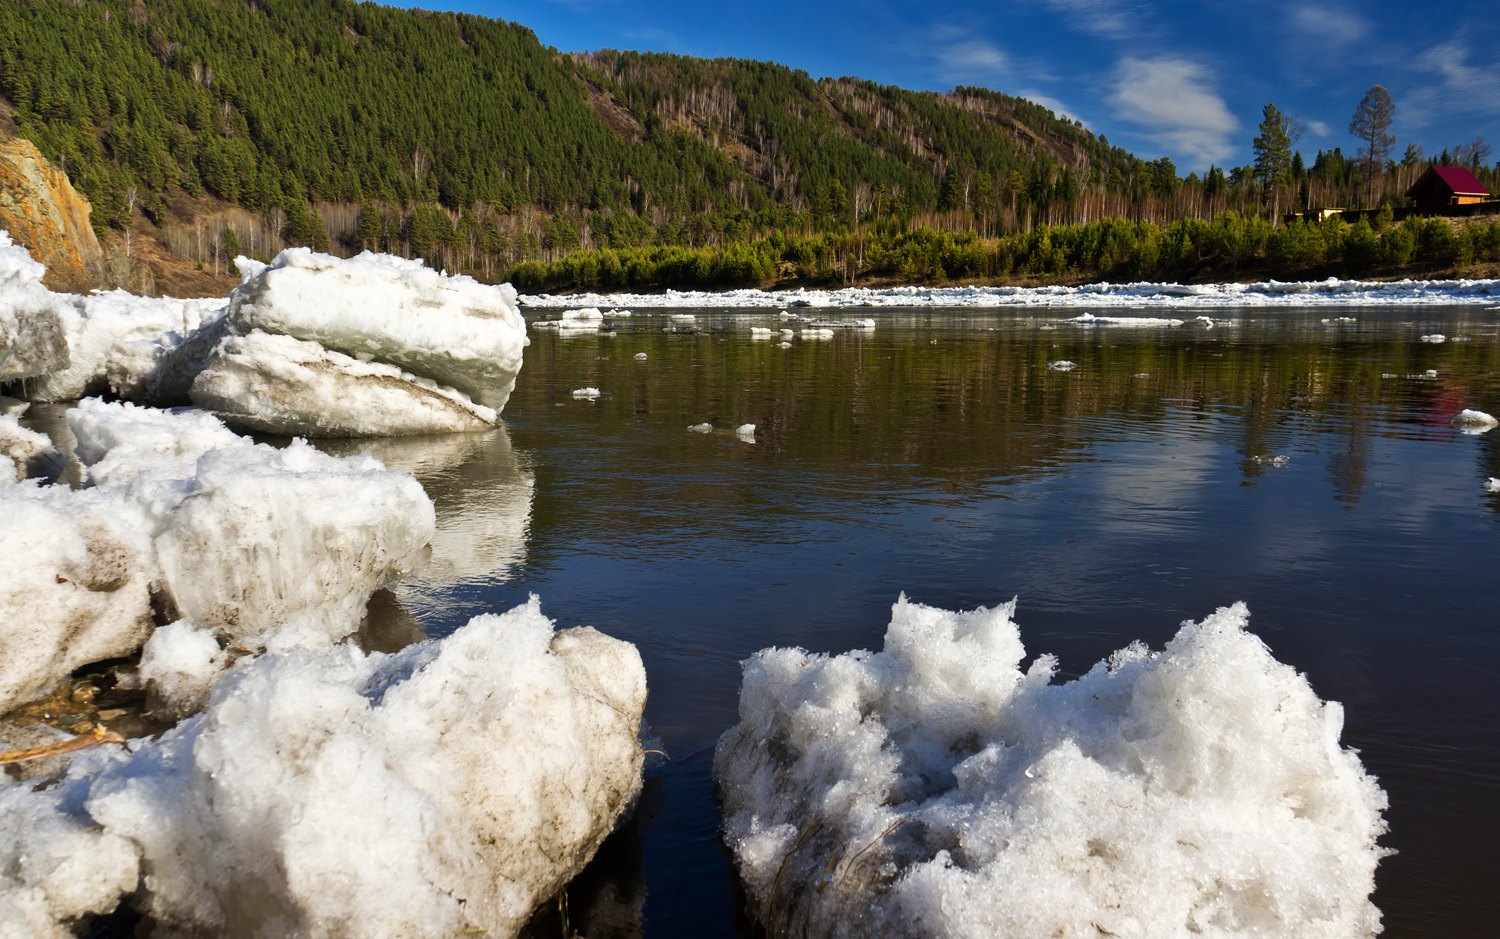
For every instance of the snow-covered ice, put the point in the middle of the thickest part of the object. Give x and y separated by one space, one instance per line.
281 385
761 332
32 338
445 789
684 318
447 328
703 428
1089 319
641 356
935 788
74 585
247 537
588 319
1435 338
589 393
1331 292
29 452
1493 485
179 664
818 333
1062 365
746 432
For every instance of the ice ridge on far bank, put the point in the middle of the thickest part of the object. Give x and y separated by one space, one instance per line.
1271 293
935 788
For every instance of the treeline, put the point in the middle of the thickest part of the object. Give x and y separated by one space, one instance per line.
1229 247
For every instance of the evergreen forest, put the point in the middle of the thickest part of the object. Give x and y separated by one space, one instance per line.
229 126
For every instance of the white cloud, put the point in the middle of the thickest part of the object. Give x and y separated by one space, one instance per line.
1174 100
970 60
1317 128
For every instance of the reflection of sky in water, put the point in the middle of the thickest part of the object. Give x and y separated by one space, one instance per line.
938 455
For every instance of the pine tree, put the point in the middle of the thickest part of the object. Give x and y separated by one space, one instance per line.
1273 157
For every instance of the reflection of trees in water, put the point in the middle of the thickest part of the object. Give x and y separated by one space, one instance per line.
964 408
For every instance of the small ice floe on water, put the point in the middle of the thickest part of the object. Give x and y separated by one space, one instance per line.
1089 319
1434 338
819 333
1062 365
616 314
641 356
937 788
684 318
1430 373
784 345
1493 485
587 393
1277 461
1205 322
1141 375
745 432
761 332
788 333
866 323
587 319
1474 422
1340 319
703 428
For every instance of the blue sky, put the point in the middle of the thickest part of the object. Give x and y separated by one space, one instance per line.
1186 80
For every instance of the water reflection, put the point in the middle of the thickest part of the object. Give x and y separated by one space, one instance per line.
482 491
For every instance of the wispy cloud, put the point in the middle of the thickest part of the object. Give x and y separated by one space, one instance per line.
1113 19
1174 99
970 60
1317 128
1327 25
1462 87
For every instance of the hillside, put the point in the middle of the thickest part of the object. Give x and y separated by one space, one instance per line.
432 133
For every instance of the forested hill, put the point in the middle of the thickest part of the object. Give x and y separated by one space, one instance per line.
278 106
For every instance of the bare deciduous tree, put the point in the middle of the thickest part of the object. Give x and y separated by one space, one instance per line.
1372 125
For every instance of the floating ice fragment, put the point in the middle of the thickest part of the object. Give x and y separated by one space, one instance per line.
704 428
745 432
684 318
819 333
1493 485
934 788
760 332
588 393
616 314
784 345
641 356
1062 365
1278 461
1435 338
1474 422
1205 322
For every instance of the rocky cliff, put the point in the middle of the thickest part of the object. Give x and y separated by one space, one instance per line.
41 210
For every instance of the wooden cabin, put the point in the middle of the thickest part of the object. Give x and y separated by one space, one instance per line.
1443 186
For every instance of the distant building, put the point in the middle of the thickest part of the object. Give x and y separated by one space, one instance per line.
1443 186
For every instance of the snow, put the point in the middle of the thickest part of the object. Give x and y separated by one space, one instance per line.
281 385
1332 292
247 537
1474 422
703 428
178 666
586 393
74 581
452 330
448 788
27 451
936 788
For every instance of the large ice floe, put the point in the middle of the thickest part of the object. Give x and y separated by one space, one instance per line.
447 788
935 788
1330 292
244 536
369 345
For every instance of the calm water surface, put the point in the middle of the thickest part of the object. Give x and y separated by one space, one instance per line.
1304 465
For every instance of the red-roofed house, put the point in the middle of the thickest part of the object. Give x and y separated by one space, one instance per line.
1443 186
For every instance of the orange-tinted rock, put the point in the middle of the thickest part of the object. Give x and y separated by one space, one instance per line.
42 211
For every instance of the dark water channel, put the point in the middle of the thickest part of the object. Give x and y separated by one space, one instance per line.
1304 465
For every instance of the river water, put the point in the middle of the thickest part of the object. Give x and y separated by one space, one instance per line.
1301 460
